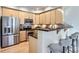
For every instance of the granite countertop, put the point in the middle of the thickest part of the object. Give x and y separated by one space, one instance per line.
60 26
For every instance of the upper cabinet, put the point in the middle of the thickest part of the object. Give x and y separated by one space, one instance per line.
34 19
59 16
22 16
47 17
30 15
0 11
9 12
41 19
37 19
52 17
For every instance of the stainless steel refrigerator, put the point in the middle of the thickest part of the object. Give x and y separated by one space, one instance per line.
9 31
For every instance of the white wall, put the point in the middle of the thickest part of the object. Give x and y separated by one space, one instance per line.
71 16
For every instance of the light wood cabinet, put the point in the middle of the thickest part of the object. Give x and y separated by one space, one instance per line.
23 36
48 19
10 12
41 19
34 19
30 15
0 11
59 17
22 16
37 19
6 12
52 17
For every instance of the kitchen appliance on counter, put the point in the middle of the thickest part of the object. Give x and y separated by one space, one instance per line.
9 31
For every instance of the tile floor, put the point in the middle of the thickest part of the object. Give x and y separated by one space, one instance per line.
20 48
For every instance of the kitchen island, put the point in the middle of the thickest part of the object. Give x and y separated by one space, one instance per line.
45 37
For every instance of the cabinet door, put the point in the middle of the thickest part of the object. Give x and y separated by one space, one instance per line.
41 19
22 16
10 12
37 17
23 35
59 17
52 17
0 11
48 19
34 20
30 15
7 12
14 13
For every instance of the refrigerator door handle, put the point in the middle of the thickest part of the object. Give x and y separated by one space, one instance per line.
5 30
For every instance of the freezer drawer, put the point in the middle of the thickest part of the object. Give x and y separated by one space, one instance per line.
16 39
10 40
4 41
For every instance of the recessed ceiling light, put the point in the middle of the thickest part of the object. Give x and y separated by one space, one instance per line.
24 9
61 10
48 8
39 11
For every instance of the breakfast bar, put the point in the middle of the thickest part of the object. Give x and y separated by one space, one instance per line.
47 36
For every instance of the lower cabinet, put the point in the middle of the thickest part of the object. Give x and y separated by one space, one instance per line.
23 36
32 44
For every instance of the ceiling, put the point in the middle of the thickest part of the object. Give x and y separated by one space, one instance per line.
33 8
36 9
